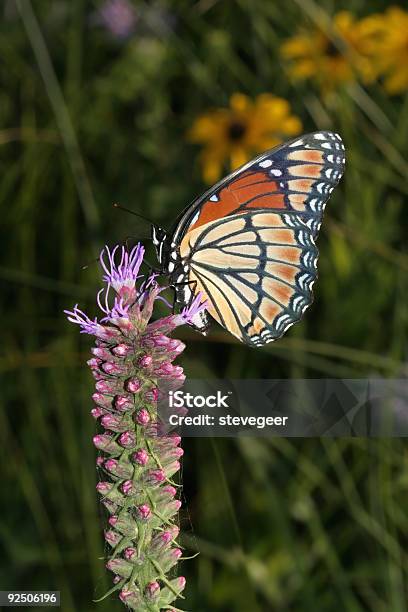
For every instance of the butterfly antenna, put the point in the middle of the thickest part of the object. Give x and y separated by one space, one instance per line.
132 212
86 266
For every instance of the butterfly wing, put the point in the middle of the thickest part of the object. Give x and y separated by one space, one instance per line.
298 177
249 242
256 269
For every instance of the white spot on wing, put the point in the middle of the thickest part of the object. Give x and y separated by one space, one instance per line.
297 143
265 163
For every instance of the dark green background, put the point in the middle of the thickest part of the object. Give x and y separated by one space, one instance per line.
87 120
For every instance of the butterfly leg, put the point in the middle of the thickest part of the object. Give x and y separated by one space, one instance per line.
184 302
200 321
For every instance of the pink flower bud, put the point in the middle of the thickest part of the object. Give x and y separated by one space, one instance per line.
142 417
102 400
130 598
112 520
127 487
163 539
123 470
106 443
129 553
176 554
97 375
169 454
170 490
110 421
143 511
107 333
103 487
99 461
101 352
105 386
127 439
152 395
181 582
123 403
97 412
145 361
176 346
155 477
94 363
140 456
165 368
122 350
133 385
125 325
110 464
152 590
114 369
112 537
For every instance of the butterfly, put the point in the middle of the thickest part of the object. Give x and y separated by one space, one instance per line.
248 243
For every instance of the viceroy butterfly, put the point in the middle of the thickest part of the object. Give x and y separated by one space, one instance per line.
248 243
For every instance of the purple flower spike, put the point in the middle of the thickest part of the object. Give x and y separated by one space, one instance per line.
118 17
135 455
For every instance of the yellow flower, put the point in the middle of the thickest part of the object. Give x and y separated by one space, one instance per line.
236 133
388 48
330 58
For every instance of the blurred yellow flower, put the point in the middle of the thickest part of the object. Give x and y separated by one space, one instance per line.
236 133
388 47
331 58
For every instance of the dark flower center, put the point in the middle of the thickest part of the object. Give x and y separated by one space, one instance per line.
332 50
236 130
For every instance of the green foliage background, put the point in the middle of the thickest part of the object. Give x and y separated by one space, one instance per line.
86 120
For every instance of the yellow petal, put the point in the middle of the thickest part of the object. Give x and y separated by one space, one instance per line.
295 47
211 167
303 69
398 81
238 157
240 102
343 21
291 126
202 129
268 142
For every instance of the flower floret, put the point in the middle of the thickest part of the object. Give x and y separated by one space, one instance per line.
125 273
77 316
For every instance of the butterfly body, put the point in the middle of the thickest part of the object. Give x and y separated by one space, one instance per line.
248 243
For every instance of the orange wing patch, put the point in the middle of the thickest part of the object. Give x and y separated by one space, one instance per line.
253 186
307 155
309 170
269 201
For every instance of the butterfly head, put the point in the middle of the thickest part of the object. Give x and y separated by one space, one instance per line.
159 239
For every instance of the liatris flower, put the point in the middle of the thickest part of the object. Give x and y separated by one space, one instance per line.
132 358
117 16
